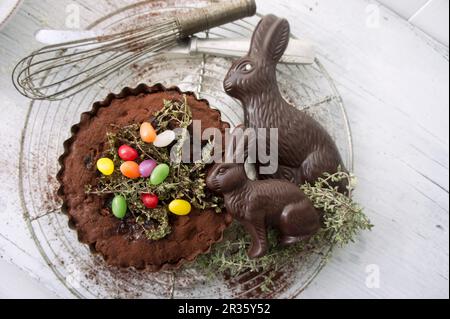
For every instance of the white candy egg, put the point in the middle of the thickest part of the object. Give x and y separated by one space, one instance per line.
165 139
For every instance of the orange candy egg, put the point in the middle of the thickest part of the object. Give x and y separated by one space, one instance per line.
130 170
148 133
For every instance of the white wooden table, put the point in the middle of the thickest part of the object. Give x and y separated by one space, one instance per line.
394 82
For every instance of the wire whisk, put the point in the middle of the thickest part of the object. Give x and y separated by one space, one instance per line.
60 71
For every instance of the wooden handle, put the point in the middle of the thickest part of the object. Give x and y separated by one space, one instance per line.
213 16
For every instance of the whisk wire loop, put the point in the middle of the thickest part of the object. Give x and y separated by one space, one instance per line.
76 65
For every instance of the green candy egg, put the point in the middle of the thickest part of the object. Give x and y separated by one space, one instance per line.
119 207
159 174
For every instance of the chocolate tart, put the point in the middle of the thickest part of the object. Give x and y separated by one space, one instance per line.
90 216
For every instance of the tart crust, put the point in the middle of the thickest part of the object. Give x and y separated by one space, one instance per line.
191 235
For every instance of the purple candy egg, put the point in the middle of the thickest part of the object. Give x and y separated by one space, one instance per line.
146 168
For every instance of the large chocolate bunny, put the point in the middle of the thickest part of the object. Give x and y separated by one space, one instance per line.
263 203
306 150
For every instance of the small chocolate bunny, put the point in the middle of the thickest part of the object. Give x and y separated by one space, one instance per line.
306 150
263 203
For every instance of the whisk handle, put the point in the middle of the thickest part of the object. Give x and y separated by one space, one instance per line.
213 16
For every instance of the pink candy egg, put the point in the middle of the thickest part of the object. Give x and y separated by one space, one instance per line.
127 153
146 168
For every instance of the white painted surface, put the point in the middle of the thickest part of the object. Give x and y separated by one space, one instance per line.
17 284
7 9
434 20
431 16
405 8
394 81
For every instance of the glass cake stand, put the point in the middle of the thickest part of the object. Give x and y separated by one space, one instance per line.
48 125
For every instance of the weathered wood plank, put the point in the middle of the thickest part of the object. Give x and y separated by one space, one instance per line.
394 82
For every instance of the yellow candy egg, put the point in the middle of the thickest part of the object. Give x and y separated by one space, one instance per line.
180 207
105 166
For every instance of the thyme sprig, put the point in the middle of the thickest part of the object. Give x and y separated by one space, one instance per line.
186 181
343 219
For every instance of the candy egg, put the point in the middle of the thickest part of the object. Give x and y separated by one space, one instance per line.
127 153
148 133
159 174
119 207
146 167
105 166
130 169
150 200
165 139
180 207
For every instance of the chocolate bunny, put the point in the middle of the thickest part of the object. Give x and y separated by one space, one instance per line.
306 150
259 204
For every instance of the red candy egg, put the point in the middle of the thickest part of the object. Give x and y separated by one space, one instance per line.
150 200
127 153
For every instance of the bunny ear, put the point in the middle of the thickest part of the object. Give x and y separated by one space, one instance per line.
271 38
